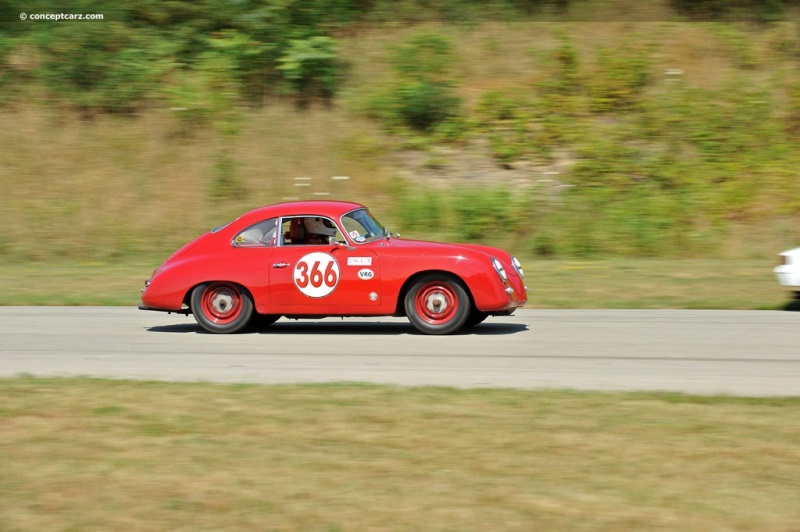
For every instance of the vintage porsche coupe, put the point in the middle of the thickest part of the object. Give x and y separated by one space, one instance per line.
313 259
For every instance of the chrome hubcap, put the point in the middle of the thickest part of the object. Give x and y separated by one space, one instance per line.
436 303
222 303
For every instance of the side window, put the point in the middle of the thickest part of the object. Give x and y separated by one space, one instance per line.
357 231
259 235
309 231
362 227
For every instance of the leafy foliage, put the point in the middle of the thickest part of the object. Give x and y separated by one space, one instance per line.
107 67
757 10
620 75
310 66
421 97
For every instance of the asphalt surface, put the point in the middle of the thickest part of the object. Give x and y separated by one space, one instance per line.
707 352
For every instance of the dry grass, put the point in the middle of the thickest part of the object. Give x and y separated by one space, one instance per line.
115 187
87 454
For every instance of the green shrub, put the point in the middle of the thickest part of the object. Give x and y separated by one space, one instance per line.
620 74
421 97
506 118
425 56
423 105
750 10
563 68
311 67
103 66
483 215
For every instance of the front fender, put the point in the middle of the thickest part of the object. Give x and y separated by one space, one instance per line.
487 290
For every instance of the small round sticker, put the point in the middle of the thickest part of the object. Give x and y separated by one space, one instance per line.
316 274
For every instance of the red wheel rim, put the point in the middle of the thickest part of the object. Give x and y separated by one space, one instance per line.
221 303
436 303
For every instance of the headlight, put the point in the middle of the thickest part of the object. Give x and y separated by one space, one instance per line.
498 267
518 267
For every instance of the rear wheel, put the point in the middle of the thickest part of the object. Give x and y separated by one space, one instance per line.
437 304
221 307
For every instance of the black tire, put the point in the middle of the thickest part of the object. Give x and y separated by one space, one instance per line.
437 304
221 307
476 317
261 321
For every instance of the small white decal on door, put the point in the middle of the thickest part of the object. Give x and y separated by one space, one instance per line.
359 261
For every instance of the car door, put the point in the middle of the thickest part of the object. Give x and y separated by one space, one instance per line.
321 279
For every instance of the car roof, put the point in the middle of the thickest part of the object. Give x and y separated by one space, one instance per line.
334 209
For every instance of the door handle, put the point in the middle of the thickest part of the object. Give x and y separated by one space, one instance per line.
280 265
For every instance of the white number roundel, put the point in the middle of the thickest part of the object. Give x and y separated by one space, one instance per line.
316 274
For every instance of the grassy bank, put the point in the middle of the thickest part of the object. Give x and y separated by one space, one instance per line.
619 283
584 139
90 454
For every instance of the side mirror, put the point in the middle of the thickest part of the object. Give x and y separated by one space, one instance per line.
337 245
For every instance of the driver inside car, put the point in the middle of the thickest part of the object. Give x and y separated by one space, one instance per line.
319 231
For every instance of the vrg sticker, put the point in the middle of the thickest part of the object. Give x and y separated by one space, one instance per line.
366 274
316 274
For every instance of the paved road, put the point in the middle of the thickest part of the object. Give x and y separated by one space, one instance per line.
738 353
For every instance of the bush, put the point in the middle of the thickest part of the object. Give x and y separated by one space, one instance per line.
421 96
422 105
751 10
488 215
311 68
619 77
103 66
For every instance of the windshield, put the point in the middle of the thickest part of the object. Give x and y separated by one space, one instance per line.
362 227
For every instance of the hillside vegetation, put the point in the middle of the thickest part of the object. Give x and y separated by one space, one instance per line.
556 128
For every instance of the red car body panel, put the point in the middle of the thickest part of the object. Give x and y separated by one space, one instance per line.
360 278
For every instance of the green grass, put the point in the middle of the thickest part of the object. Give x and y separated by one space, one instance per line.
628 283
89 283
652 283
93 454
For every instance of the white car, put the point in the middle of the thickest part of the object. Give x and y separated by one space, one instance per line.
788 271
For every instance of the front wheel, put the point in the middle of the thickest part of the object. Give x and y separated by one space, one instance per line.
221 307
476 317
437 304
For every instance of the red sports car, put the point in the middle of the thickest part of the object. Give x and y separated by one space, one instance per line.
312 259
